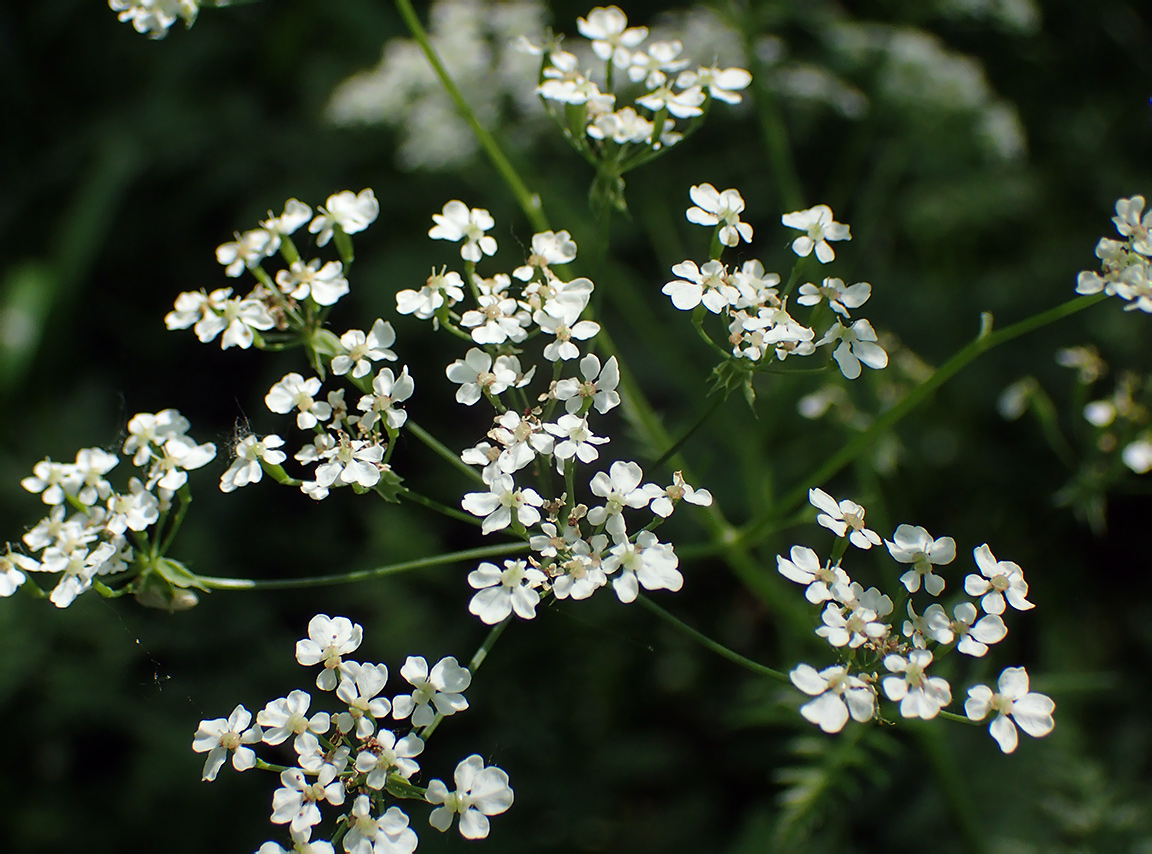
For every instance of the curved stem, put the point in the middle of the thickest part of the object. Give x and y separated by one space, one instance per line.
710 644
984 341
216 583
442 450
529 202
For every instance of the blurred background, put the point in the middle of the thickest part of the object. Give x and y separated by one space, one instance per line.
976 147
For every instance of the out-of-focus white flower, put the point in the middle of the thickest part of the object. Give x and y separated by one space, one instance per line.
819 228
352 212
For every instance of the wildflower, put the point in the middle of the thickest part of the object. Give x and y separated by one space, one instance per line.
915 545
1031 711
222 736
723 84
287 716
919 695
607 28
708 284
295 802
837 694
1002 580
441 689
477 375
857 344
324 284
480 792
246 468
351 212
294 392
359 685
247 250
498 504
502 591
457 222
819 228
329 638
804 567
375 835
839 517
840 298
722 209
597 388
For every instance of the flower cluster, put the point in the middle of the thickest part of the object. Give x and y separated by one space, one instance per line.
352 759
669 89
860 625
290 301
755 310
88 533
154 17
1126 264
576 548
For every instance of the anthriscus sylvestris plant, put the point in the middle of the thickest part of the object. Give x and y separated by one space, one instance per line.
545 393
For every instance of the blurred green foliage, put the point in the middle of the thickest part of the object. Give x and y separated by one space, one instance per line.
126 161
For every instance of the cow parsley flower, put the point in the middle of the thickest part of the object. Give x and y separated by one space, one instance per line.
329 639
723 84
295 392
457 222
804 567
441 689
1031 712
502 591
295 803
1002 580
153 18
840 517
720 209
324 284
246 468
840 298
480 792
837 694
914 545
597 389
857 345
502 500
388 833
359 685
222 736
919 695
352 212
288 716
819 228
607 28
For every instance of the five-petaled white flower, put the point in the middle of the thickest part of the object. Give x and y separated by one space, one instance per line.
222 736
441 689
246 468
1002 580
1031 711
480 792
805 567
502 591
913 544
329 638
352 212
840 517
361 350
457 222
837 694
818 227
919 695
498 504
857 344
720 209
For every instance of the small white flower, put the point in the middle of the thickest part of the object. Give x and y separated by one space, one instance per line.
440 288
914 545
720 209
708 284
805 567
723 84
837 694
294 392
840 298
575 439
498 504
246 468
362 350
857 344
247 250
548 248
359 685
598 389
480 792
840 517
441 689
288 716
1002 580
324 284
329 638
503 591
222 736
665 499
1031 711
607 28
818 227
386 834
352 212
919 695
457 222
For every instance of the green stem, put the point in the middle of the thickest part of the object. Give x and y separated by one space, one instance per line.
216 583
529 202
443 450
984 341
443 509
708 643
953 787
704 416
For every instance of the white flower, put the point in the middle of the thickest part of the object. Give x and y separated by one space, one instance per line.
818 227
295 803
246 468
388 834
919 695
722 84
351 461
682 105
324 284
439 288
619 488
247 250
294 392
154 17
498 318
597 390
548 248
1032 712
296 213
11 575
480 792
235 317
352 212
389 390
915 545
288 716
575 439
857 344
498 504
839 517
665 499
1002 580
723 209
837 694
1138 455
608 30
805 567
708 284
861 625
387 754
565 329
329 638
457 222
50 480
522 438
220 736
504 591
477 375
975 635
359 685
647 563
839 297
442 690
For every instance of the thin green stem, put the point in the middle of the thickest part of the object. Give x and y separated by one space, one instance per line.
704 416
442 450
984 341
529 202
433 504
710 644
216 583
